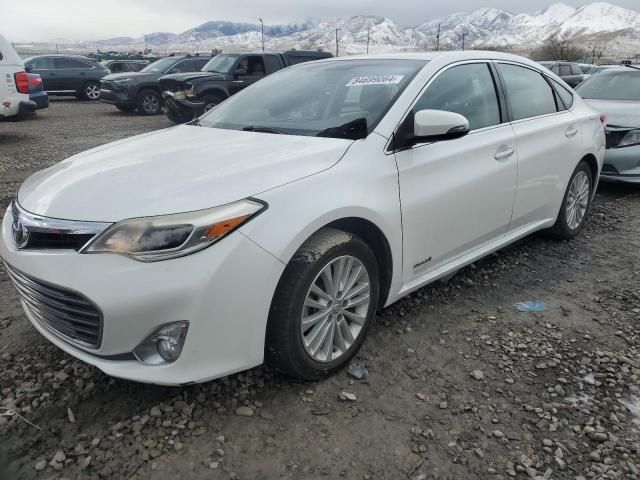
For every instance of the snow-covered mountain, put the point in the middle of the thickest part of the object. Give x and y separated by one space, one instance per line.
485 27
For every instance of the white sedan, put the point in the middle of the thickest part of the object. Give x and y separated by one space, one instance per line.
276 225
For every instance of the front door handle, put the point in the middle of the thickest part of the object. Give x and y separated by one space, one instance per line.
571 132
503 153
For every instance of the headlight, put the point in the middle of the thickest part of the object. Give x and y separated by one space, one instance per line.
150 239
631 138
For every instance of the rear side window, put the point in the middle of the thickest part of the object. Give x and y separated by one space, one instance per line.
69 63
556 69
565 95
528 93
565 70
272 63
575 69
465 89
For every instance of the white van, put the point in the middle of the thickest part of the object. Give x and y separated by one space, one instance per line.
14 83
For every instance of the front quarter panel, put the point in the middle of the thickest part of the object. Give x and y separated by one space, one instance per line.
364 184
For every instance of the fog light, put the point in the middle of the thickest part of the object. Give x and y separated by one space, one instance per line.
189 93
164 345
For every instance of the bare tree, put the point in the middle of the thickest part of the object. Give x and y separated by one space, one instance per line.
558 48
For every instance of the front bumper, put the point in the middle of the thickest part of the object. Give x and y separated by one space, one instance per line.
116 97
622 165
224 291
179 103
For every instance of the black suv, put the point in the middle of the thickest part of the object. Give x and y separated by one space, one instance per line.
120 66
68 74
189 95
141 90
570 72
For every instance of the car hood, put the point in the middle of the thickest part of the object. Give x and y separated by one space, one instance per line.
620 113
179 169
136 75
182 77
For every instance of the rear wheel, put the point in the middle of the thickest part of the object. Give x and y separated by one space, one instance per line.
575 205
324 304
91 91
149 102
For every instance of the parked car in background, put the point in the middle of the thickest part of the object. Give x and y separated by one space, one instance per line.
14 84
141 90
36 92
616 93
68 74
189 95
254 235
585 67
567 71
123 66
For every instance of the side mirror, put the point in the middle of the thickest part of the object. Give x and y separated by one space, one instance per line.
436 125
240 72
28 68
173 70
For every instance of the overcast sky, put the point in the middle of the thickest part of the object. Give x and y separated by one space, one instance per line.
42 20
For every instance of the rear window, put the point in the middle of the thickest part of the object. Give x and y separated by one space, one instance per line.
612 85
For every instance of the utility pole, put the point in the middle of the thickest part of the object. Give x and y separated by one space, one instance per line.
438 39
593 53
337 43
262 32
463 35
368 36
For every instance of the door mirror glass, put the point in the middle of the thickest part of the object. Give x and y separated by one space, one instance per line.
28 68
435 125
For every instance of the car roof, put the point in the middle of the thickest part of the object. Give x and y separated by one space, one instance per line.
451 56
618 69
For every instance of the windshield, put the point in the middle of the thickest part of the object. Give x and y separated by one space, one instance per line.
160 66
611 86
220 64
340 99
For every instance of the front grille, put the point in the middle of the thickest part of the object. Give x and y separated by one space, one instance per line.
57 241
66 313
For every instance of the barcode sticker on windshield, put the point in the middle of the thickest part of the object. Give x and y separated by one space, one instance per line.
375 80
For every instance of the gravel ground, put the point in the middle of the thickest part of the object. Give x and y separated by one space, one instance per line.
459 384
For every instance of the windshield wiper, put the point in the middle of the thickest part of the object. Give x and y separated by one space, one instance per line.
353 130
253 128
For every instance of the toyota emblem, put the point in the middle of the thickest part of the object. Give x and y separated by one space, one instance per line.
20 233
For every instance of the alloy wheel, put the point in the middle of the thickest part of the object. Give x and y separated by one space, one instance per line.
150 103
335 309
577 200
92 91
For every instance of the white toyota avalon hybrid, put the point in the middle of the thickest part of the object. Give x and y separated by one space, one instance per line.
276 225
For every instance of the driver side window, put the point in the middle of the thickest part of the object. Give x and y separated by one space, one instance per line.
465 89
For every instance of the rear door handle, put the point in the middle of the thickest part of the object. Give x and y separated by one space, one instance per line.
571 132
504 152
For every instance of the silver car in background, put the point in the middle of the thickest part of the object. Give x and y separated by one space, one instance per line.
616 93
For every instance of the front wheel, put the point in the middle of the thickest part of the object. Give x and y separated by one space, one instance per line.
575 204
149 102
324 304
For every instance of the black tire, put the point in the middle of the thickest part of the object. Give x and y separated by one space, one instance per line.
178 117
91 91
210 101
126 108
284 346
561 230
149 102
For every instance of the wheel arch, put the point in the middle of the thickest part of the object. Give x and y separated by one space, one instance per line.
592 162
213 90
